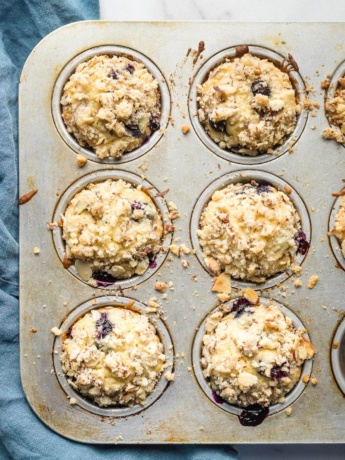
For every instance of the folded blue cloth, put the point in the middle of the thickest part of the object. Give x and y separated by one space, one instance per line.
23 23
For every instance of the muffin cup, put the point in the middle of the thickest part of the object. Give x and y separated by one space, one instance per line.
69 69
100 176
290 398
112 411
245 176
201 77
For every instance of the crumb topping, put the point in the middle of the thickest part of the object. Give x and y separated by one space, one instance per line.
111 104
249 232
248 104
113 227
113 356
254 357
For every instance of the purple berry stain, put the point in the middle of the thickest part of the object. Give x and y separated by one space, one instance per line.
131 68
103 326
263 189
302 243
136 205
217 398
219 126
239 305
133 130
277 372
154 124
260 87
152 260
69 333
103 278
253 415
113 75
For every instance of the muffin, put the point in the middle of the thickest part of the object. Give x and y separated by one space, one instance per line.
339 226
248 105
253 354
335 111
112 230
251 232
111 104
113 356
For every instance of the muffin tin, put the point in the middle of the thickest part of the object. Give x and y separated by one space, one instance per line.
191 167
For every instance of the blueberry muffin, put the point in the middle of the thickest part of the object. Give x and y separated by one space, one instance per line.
111 104
113 356
248 105
112 230
253 354
251 232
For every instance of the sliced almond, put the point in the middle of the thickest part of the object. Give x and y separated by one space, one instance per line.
56 331
175 249
222 284
246 379
251 295
83 268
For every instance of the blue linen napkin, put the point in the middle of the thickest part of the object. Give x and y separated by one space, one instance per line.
23 23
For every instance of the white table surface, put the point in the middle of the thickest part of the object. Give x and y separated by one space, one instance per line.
241 11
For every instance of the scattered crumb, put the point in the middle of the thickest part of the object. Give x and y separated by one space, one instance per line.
313 381
223 297
73 401
36 250
312 281
153 302
325 84
185 263
195 277
175 249
185 129
222 284
171 285
56 331
165 296
322 239
143 166
81 160
172 206
201 428
287 189
160 286
33 329
305 378
335 345
184 249
169 376
288 411
298 283
297 269
251 295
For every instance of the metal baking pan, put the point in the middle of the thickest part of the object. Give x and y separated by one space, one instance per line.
191 167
